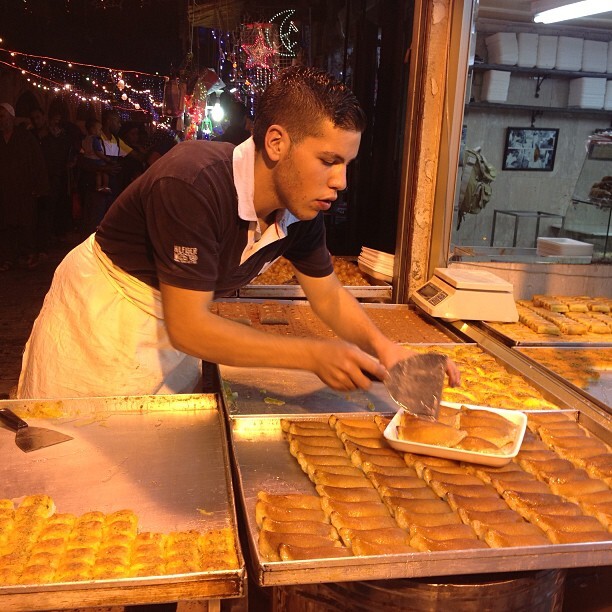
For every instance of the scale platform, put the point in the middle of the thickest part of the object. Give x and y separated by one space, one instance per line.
457 294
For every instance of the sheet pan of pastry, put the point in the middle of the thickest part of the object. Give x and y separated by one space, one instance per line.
165 459
559 321
346 511
586 368
399 322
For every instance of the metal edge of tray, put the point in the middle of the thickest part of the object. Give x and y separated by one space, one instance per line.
550 372
295 291
509 341
382 567
553 388
213 584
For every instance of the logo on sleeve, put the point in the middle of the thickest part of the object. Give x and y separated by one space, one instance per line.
185 255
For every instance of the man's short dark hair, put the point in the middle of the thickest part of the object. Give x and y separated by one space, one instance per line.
300 99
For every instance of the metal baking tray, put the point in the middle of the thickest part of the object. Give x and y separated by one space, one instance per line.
372 292
505 332
377 290
263 462
400 322
248 391
165 457
599 390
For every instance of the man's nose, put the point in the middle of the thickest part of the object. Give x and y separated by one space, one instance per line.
338 178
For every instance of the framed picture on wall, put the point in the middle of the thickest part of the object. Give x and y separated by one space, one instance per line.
530 148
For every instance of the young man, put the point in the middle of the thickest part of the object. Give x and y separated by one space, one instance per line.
129 310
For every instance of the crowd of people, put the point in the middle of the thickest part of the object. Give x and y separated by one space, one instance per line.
58 178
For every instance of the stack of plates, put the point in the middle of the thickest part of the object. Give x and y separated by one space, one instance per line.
564 246
569 53
587 92
595 56
528 49
502 48
608 96
376 263
495 84
547 51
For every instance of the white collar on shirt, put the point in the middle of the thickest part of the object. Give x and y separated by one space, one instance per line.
243 162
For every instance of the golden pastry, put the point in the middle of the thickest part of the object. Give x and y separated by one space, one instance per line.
290 552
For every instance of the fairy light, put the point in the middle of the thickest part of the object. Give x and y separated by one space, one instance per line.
88 82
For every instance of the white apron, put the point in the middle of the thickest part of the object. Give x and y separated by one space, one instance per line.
101 332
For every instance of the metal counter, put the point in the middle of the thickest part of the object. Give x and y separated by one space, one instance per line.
263 462
164 457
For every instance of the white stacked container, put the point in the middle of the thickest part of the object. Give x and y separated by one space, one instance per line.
608 96
527 49
547 51
569 53
495 85
502 48
594 56
587 92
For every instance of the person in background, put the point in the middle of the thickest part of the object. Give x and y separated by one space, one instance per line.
115 149
133 165
159 143
56 150
93 150
23 179
129 311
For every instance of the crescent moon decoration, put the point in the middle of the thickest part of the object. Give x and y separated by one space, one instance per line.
285 29
258 54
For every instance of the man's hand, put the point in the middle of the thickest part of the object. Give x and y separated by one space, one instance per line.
341 365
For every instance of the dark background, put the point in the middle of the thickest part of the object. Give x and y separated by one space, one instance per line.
144 35
363 42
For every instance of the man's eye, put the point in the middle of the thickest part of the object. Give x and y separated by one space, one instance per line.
327 162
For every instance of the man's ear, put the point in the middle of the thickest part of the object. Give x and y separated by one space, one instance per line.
276 142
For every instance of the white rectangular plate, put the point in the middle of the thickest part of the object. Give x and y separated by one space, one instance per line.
515 416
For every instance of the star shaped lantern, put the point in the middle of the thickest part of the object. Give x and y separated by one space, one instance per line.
258 54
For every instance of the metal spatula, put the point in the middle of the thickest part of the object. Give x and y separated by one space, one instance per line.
30 438
416 384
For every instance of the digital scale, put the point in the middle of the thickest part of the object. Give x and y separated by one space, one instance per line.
460 294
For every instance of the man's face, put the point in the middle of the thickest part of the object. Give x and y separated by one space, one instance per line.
309 176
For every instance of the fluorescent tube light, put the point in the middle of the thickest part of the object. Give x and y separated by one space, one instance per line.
571 10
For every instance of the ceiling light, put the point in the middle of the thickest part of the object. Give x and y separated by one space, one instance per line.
551 12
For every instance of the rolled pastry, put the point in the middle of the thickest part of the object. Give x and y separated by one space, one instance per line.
290 552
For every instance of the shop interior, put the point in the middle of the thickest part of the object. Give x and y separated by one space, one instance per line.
535 124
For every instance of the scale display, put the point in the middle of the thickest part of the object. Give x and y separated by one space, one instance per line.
433 294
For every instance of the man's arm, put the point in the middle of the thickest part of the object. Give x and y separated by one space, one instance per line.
335 306
195 330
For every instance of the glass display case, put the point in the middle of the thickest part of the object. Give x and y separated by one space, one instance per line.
589 215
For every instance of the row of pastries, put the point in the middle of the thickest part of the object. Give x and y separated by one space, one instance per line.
372 499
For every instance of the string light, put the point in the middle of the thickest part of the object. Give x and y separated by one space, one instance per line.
90 83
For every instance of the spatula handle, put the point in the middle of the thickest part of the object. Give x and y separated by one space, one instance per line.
9 418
